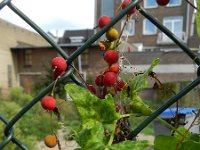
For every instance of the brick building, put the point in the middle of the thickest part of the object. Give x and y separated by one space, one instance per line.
178 16
13 36
31 67
147 42
175 65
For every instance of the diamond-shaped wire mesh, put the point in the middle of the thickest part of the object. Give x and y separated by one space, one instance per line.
9 130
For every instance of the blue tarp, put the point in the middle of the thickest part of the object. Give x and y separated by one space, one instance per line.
171 112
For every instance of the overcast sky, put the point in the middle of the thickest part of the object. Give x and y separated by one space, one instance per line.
52 15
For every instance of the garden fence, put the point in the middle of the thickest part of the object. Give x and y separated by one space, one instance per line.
9 129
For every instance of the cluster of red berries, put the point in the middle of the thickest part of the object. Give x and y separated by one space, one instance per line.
59 66
108 78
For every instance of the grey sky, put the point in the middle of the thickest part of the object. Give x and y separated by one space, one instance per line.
53 15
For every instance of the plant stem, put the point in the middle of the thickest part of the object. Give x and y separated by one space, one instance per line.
186 132
113 133
128 115
54 85
169 125
80 75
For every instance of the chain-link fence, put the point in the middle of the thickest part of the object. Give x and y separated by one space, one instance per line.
9 129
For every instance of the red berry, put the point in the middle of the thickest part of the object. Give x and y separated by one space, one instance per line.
120 85
162 2
109 79
125 4
48 103
99 80
114 68
91 88
59 64
111 56
103 20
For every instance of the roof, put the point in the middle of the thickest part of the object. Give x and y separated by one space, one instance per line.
166 57
68 45
86 33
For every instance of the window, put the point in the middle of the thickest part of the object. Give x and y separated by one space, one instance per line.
107 8
150 4
174 3
175 25
10 80
129 29
148 27
28 57
85 58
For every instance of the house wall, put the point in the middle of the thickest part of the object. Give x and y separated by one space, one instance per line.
150 41
174 66
12 36
41 58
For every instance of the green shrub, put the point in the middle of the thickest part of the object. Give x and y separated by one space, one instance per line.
9 110
19 96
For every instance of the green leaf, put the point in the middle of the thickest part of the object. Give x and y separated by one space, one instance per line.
130 145
194 137
190 145
137 106
163 142
198 18
140 82
89 138
182 130
92 109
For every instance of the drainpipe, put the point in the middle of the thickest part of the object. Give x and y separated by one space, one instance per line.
193 19
187 23
79 64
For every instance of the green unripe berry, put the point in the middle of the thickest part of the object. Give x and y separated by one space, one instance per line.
112 34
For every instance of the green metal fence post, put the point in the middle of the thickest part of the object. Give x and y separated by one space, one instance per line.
4 3
9 130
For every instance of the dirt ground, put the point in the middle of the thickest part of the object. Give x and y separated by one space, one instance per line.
71 145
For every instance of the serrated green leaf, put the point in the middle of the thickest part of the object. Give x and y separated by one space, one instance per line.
130 145
140 81
163 142
92 109
89 138
198 18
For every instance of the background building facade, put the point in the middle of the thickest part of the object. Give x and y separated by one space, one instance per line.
13 36
178 16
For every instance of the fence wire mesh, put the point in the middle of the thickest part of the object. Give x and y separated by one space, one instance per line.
9 129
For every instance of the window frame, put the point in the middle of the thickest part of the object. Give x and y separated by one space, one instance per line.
179 18
174 5
28 60
149 7
145 32
125 30
102 9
